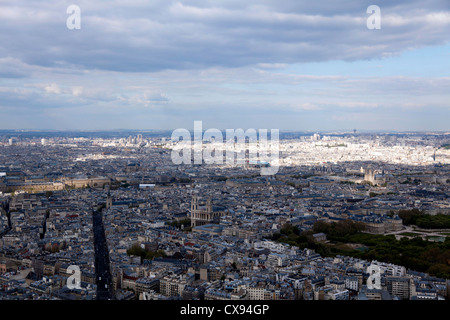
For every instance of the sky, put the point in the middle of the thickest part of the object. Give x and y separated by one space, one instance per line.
283 64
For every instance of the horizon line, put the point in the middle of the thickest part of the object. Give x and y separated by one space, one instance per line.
340 131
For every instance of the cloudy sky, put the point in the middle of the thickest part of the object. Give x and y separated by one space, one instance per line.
286 64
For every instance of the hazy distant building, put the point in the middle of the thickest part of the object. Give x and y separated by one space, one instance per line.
93 182
375 177
382 224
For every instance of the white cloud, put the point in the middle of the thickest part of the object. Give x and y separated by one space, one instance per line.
52 88
174 35
77 91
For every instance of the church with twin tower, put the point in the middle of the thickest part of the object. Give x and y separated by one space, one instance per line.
205 212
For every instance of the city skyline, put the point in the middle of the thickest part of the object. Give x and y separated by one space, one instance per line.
100 216
292 66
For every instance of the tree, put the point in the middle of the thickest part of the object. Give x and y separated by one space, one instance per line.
276 236
410 216
177 224
55 248
440 270
288 229
136 250
321 226
48 247
415 254
339 230
149 255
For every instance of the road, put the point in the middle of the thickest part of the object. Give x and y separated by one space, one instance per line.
424 233
102 268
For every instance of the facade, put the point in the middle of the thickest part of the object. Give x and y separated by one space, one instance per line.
262 293
205 213
399 287
352 283
146 285
173 285
337 295
209 273
373 294
93 182
375 177
214 294
382 224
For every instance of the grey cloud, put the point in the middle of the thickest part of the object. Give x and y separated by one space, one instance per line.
13 68
201 34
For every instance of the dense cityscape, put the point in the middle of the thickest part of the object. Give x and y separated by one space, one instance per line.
108 215
224 158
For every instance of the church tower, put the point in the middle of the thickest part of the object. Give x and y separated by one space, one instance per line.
108 201
194 204
209 205
369 174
